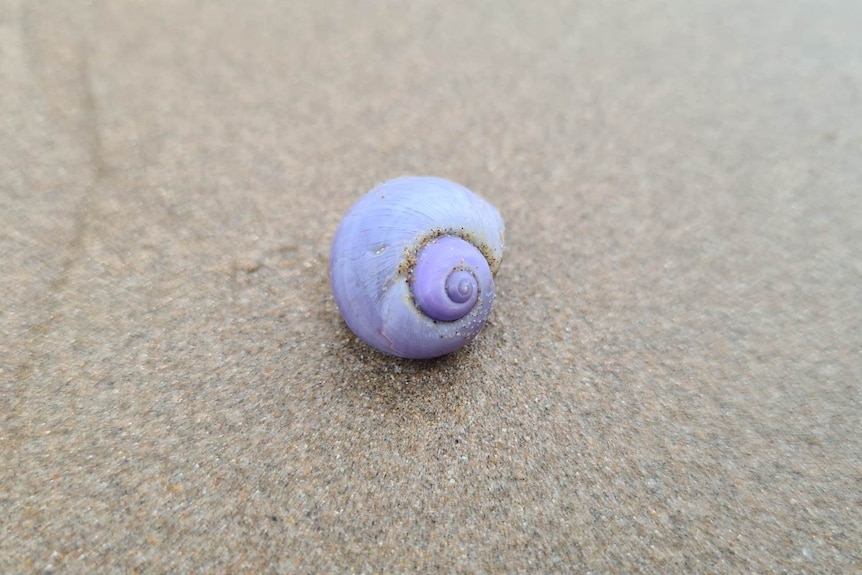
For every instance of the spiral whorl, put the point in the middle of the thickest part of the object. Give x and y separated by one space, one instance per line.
448 277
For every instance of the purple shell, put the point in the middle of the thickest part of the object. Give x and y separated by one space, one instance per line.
412 266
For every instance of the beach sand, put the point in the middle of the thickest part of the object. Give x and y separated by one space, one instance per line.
669 381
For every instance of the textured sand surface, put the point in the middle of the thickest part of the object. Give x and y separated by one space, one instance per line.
669 382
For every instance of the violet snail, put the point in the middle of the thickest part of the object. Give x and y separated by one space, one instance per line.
412 266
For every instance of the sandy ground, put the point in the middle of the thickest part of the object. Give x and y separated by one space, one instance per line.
670 379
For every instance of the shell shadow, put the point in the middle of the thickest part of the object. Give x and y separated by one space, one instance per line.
376 381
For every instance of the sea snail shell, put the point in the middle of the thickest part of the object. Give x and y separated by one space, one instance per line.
412 266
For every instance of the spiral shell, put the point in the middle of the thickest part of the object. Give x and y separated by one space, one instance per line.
412 266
